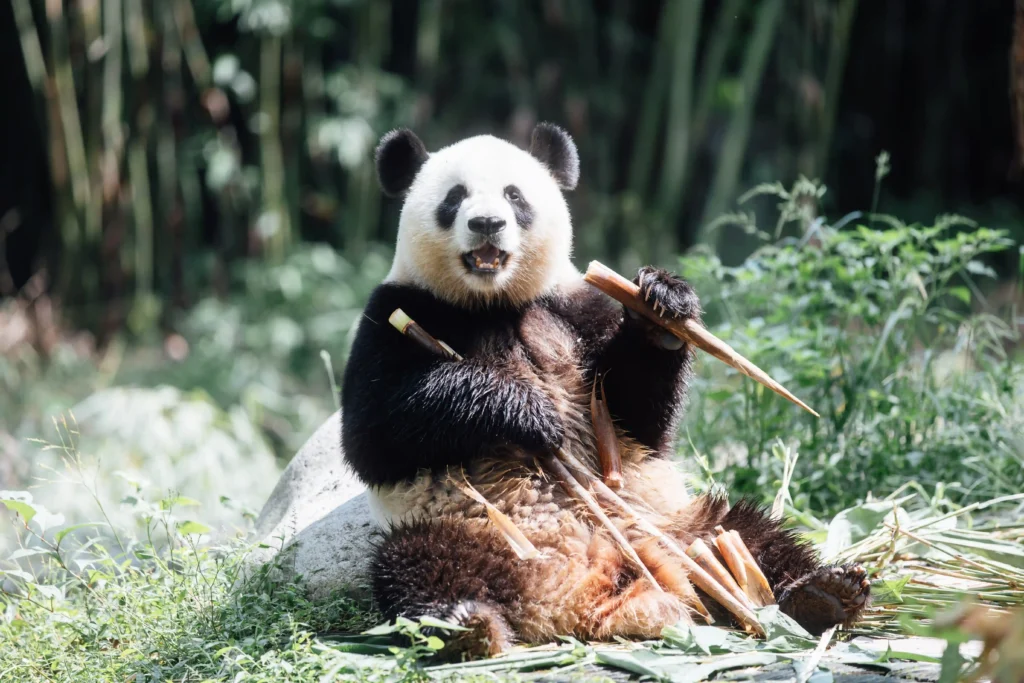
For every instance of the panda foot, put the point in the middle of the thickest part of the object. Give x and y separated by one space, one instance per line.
489 633
828 596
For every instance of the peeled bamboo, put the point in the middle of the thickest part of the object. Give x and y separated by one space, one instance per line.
628 294
697 574
516 539
574 488
702 555
760 590
606 440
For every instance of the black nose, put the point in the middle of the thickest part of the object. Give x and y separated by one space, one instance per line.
486 225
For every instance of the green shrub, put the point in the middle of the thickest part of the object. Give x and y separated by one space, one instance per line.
884 332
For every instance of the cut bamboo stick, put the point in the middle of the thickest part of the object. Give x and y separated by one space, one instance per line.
702 555
628 294
606 439
553 465
744 568
733 559
698 576
410 328
759 585
518 541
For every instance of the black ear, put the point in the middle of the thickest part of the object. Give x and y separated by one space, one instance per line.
399 157
556 150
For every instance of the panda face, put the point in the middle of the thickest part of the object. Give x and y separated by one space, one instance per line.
482 221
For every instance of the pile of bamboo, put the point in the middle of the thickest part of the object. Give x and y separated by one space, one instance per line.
738 585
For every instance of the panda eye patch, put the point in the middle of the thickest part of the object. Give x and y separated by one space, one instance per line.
520 207
449 207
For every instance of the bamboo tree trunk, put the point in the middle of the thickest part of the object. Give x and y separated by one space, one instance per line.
273 222
291 130
677 134
654 103
723 187
67 157
834 79
170 138
112 216
138 165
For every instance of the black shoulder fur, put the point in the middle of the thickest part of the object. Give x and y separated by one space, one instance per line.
406 410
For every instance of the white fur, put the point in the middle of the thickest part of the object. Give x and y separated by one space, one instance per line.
428 256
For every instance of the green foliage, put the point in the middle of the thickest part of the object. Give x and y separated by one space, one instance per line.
162 603
261 348
886 334
258 353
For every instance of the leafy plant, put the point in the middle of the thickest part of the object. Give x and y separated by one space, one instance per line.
885 333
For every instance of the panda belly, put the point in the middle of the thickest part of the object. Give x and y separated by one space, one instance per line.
581 583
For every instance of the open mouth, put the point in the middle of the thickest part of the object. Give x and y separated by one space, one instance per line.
485 260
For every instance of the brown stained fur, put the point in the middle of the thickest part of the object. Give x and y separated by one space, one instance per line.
582 584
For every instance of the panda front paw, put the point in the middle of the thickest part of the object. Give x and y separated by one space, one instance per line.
671 297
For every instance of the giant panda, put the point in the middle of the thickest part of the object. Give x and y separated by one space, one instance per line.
483 263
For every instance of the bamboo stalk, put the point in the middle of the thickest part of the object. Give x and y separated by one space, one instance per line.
700 553
733 559
734 146
833 78
678 128
195 54
274 222
697 574
68 104
606 440
142 211
516 539
760 590
31 48
574 488
628 294
409 327
713 61
653 105
169 138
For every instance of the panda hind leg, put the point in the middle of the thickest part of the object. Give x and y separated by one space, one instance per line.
816 595
455 571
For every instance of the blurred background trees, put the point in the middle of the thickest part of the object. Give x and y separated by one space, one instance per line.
151 145
188 197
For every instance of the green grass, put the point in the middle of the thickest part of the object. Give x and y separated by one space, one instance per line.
914 469
163 602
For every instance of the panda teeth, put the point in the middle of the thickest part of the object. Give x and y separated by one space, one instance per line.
493 265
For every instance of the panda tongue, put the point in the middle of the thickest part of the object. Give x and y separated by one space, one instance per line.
486 255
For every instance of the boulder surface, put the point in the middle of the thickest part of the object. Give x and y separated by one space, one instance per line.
318 519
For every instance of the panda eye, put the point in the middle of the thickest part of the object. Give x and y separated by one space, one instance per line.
449 207
513 194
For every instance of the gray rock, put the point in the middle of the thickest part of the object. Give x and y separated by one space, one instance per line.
318 519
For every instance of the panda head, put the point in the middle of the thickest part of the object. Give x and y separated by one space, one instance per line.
482 221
